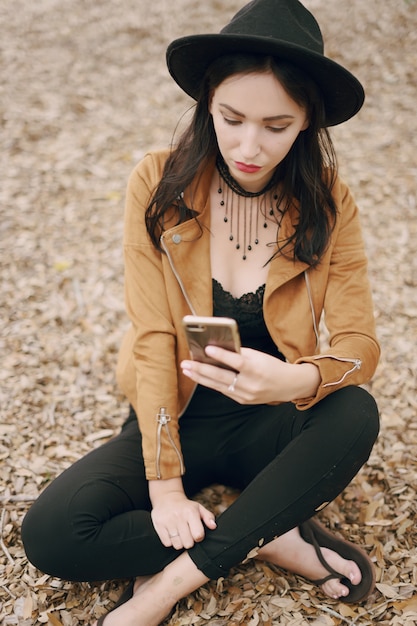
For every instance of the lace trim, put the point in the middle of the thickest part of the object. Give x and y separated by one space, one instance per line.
245 310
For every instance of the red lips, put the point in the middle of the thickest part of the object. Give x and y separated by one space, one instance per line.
247 168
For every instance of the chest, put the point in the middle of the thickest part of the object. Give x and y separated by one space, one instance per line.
242 240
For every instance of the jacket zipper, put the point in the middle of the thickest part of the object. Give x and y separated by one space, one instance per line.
192 309
177 276
163 418
357 364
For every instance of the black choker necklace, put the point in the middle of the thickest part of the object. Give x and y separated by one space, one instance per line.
241 224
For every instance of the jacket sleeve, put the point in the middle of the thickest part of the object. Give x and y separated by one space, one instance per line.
353 350
147 370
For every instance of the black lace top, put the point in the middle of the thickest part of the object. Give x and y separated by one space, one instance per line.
247 311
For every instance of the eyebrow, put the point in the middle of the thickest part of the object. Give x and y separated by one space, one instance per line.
265 119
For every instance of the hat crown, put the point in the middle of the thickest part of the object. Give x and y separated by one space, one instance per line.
283 20
282 29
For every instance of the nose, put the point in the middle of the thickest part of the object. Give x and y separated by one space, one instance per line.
250 144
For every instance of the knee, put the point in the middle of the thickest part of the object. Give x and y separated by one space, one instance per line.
37 537
364 407
52 534
361 413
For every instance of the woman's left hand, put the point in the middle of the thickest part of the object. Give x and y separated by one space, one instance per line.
261 378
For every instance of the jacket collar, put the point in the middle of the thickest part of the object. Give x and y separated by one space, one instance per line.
187 247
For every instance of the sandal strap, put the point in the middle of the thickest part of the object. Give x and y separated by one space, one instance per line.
315 534
308 533
320 581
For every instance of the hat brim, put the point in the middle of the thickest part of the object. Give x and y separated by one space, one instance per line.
189 57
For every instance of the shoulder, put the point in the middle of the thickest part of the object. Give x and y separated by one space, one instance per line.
142 183
341 193
151 166
342 196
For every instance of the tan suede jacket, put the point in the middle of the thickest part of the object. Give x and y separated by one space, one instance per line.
162 288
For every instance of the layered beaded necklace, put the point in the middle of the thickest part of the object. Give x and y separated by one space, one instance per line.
244 230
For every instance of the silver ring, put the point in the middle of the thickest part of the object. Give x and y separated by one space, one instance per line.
232 386
176 535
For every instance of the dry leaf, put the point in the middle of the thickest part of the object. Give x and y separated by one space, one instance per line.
28 606
387 590
406 605
53 620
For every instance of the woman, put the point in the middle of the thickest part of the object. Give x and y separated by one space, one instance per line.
247 218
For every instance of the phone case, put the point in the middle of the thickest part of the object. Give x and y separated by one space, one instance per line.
216 331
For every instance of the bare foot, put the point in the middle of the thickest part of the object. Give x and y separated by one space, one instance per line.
141 609
292 553
155 596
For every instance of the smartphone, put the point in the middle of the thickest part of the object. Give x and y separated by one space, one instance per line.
214 331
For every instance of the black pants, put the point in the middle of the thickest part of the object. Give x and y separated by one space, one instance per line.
93 522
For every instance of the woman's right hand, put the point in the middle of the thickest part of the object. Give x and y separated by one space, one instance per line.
178 521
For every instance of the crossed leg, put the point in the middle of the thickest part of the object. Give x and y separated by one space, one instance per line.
154 597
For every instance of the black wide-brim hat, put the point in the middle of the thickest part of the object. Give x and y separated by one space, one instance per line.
284 29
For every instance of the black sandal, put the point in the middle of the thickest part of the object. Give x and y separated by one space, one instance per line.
319 537
126 595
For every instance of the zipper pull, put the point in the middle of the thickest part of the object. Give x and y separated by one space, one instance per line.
163 417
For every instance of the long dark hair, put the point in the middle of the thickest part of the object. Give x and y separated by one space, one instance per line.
306 175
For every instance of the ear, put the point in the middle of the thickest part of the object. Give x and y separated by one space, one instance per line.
306 124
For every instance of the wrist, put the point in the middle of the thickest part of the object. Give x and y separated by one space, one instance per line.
307 380
160 488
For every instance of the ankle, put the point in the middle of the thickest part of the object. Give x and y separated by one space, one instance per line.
152 603
178 579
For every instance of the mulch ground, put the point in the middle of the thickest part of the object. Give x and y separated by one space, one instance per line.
84 93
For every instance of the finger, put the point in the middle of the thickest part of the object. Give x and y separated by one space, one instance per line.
166 540
176 542
169 537
227 357
172 539
208 375
184 539
208 517
173 535
206 370
215 377
196 529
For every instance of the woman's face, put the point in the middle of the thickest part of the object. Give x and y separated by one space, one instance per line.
256 123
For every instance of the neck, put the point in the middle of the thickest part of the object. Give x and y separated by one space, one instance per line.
245 211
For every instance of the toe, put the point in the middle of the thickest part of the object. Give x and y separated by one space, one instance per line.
354 575
352 572
335 589
348 569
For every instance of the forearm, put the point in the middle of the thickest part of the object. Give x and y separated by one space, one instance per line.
158 489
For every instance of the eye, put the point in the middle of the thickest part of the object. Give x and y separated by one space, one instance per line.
277 129
230 121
